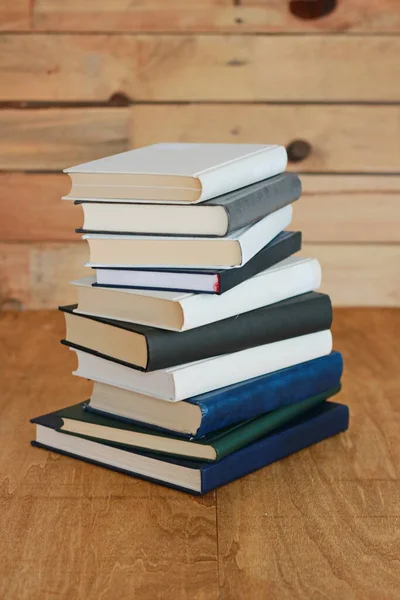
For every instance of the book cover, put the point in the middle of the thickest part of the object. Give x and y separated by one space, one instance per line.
323 421
74 420
179 311
232 251
181 172
217 217
239 402
290 318
203 281
192 379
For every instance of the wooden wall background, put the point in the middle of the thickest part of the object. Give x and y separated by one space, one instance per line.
83 79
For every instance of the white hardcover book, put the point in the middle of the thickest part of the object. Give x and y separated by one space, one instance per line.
168 280
175 172
232 251
181 311
185 381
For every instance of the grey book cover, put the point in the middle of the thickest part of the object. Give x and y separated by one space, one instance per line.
244 206
250 204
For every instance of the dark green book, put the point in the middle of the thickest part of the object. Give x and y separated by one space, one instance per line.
74 420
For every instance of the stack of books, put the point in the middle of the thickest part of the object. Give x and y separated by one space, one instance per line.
209 348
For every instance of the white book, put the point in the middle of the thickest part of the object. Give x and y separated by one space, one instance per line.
196 281
175 172
212 281
182 311
185 381
232 251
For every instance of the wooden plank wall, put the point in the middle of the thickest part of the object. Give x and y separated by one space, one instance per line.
80 80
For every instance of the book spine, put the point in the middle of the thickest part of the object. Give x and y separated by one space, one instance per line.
312 429
276 193
282 247
308 313
266 393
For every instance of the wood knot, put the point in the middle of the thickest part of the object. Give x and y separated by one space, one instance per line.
311 9
119 99
298 150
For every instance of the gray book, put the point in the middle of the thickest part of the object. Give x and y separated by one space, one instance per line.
213 218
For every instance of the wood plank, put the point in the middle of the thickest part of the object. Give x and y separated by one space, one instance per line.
53 139
56 514
37 276
333 208
31 208
175 68
340 136
348 208
250 16
359 274
321 512
15 15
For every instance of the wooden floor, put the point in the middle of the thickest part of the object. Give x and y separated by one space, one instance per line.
323 524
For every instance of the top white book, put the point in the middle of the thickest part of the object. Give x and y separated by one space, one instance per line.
175 173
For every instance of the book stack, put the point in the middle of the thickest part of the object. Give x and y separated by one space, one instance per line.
209 348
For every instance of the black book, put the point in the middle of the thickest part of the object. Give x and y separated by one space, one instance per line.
213 218
150 349
203 281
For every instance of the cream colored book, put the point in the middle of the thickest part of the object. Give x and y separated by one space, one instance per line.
184 381
175 172
182 311
232 251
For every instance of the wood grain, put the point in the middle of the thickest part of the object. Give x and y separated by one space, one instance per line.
326 523
333 208
175 68
369 16
340 136
348 208
57 138
37 276
359 274
71 531
322 523
15 15
31 208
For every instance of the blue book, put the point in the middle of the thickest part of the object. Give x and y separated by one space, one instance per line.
196 477
206 413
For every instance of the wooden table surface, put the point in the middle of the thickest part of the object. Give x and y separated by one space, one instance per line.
322 524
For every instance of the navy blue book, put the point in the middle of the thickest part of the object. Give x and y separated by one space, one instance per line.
196 477
215 446
201 415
